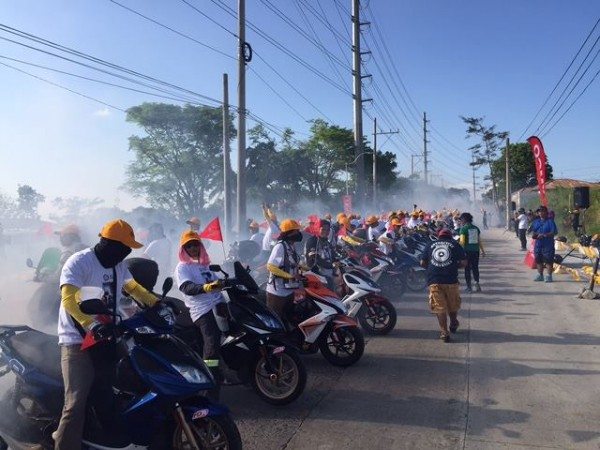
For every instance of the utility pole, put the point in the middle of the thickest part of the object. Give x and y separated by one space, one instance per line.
474 187
241 132
507 182
425 154
226 154
358 101
412 163
375 134
375 162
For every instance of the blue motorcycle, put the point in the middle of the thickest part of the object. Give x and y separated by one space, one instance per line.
158 382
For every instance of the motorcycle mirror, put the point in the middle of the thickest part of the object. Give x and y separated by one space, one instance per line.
167 286
215 268
29 263
93 306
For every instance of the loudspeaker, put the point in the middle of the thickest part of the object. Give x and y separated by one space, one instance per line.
513 206
581 197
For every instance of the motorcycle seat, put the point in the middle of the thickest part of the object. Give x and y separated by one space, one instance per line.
39 350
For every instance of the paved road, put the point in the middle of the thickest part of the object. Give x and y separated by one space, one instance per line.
523 372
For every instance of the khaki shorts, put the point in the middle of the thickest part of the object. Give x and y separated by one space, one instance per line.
444 298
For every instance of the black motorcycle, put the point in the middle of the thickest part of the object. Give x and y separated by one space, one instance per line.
254 346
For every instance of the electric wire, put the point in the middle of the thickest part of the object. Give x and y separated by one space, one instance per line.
560 80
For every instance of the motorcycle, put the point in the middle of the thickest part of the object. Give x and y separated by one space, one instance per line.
375 313
43 306
254 344
157 383
319 322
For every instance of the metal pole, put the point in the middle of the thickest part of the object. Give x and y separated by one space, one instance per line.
375 162
474 187
507 182
346 178
425 141
226 154
241 132
357 97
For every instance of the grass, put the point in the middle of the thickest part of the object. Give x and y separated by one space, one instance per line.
561 200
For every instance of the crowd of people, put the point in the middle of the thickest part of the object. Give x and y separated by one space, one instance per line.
288 247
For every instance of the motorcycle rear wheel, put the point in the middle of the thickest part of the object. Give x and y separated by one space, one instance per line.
212 433
416 280
378 318
342 347
290 382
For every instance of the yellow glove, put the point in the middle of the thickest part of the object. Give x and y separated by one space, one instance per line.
212 286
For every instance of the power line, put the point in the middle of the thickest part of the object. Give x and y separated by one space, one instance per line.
183 35
572 104
64 87
202 13
95 80
544 125
560 80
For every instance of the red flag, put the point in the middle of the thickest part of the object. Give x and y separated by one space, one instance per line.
213 231
314 226
540 166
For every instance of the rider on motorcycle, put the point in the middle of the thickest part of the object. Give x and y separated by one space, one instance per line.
284 278
319 252
102 267
201 292
389 239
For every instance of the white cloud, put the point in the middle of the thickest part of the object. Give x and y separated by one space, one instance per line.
104 112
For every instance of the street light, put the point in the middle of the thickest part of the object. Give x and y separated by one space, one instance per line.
353 162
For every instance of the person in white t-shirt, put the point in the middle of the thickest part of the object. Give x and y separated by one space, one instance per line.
201 290
522 225
100 267
255 234
283 268
159 250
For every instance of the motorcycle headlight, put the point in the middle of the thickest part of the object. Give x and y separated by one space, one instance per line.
145 330
269 321
191 374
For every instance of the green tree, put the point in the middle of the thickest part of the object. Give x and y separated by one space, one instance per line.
28 200
521 166
386 170
178 164
485 151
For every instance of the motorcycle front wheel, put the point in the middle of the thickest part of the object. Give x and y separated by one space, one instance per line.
284 383
378 318
416 280
211 433
342 347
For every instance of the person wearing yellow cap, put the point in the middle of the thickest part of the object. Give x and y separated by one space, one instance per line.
283 267
255 234
388 240
414 221
101 267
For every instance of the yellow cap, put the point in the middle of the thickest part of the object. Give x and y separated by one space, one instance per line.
120 231
371 220
288 225
396 222
188 236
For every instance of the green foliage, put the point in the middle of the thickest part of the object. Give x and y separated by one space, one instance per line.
560 200
521 166
178 164
28 200
485 151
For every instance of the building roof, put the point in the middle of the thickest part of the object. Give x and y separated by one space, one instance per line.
562 183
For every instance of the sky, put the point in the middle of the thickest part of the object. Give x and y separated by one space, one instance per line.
492 59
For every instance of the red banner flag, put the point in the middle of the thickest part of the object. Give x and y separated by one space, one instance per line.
347 203
540 166
213 231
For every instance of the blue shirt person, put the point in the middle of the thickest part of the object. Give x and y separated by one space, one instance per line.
543 231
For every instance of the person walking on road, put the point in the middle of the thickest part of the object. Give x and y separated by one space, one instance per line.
470 239
442 259
522 222
543 231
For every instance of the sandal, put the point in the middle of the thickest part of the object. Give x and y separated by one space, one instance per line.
445 336
454 327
